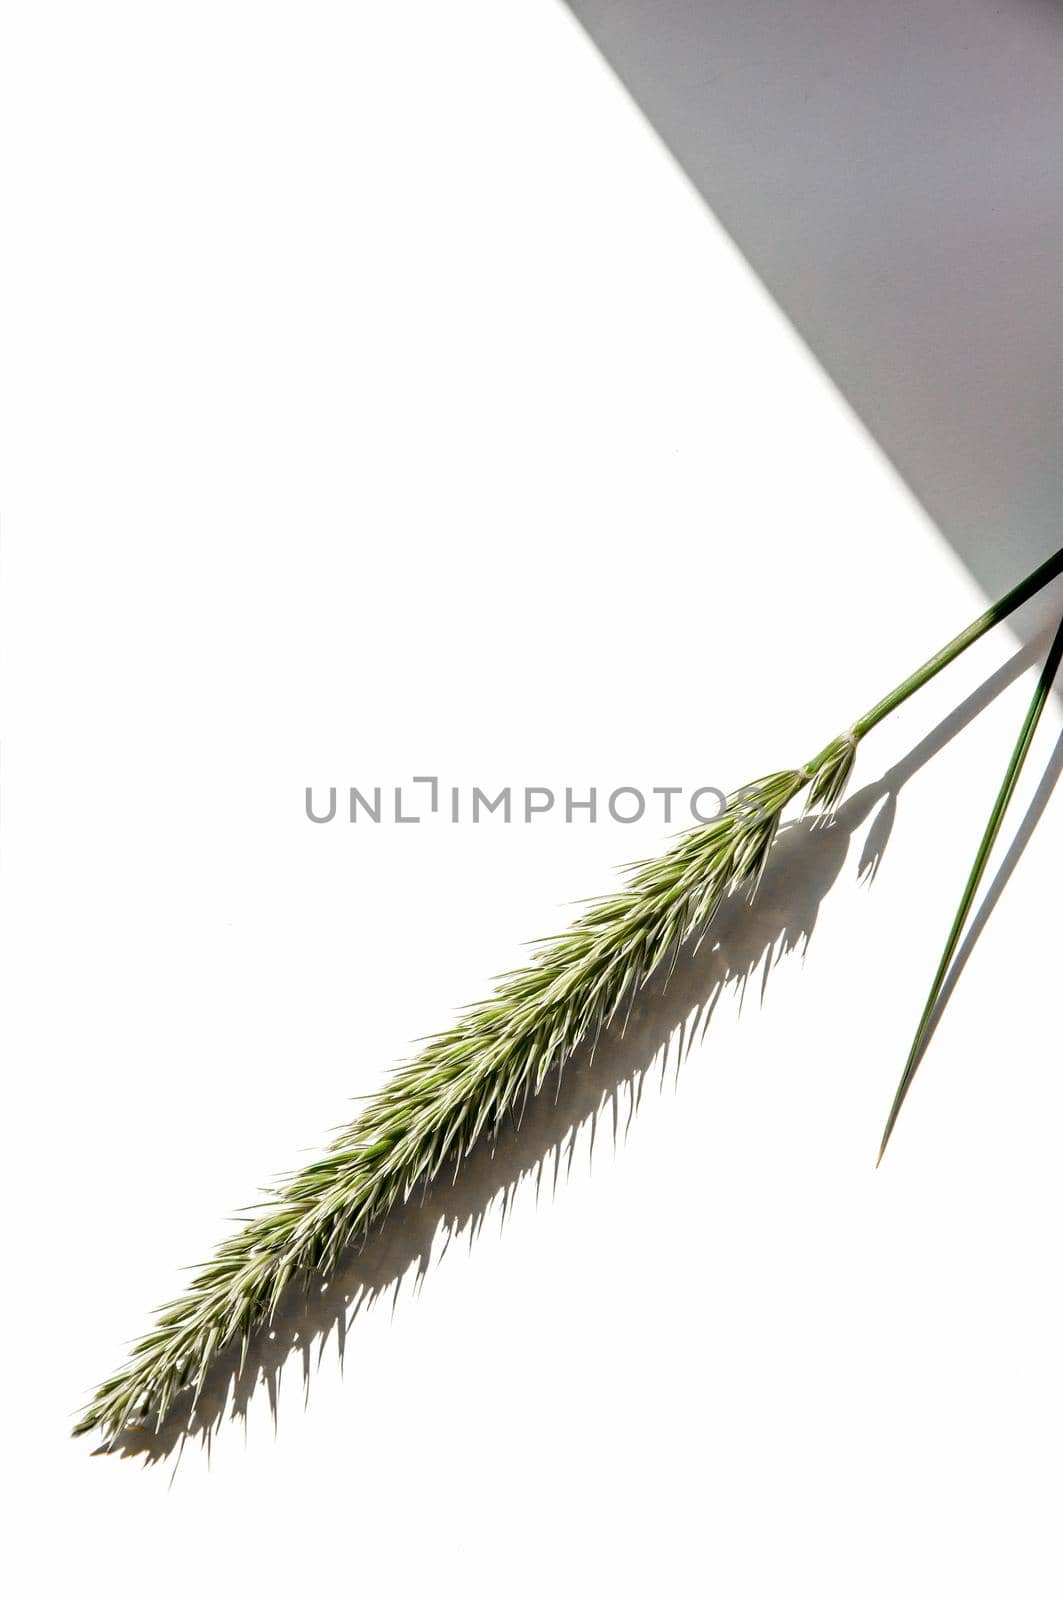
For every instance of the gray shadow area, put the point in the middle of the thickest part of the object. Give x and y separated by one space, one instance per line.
599 1092
894 175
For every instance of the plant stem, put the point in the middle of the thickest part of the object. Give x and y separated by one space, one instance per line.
1018 596
996 817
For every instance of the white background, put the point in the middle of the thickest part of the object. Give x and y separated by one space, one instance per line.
380 400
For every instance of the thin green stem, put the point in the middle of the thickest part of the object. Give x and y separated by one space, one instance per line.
996 817
1018 596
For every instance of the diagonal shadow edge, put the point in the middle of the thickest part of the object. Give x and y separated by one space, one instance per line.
887 174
